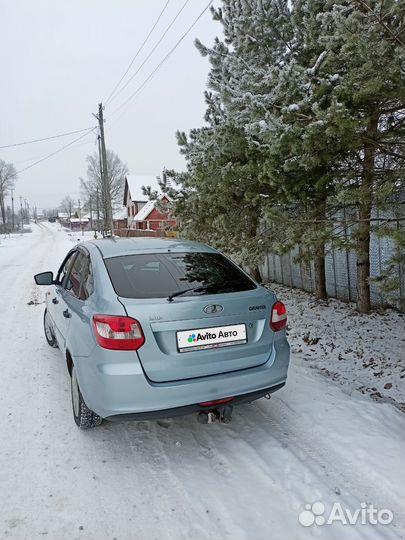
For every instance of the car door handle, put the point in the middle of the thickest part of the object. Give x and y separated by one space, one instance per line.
66 314
55 301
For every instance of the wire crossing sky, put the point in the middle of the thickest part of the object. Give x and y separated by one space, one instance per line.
137 52
60 61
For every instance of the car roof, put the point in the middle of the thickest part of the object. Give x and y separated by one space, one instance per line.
115 247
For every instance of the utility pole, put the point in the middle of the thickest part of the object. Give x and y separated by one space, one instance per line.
21 214
91 212
99 155
102 186
12 209
98 210
106 194
80 219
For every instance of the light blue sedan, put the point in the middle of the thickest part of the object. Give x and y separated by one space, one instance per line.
153 328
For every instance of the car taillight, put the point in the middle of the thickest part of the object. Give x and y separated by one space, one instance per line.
118 333
278 319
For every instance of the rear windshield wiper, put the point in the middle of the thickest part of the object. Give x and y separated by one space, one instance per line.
218 286
196 289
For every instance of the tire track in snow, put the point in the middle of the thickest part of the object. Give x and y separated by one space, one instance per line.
323 460
157 449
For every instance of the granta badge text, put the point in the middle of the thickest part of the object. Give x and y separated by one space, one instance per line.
253 308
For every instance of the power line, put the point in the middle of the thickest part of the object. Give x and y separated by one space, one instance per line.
153 50
40 156
137 52
127 101
47 138
56 151
91 129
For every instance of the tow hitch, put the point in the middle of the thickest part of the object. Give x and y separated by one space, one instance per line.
220 414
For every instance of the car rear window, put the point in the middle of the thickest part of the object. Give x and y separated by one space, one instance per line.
160 275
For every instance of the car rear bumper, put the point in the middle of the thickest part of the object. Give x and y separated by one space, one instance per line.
189 409
121 389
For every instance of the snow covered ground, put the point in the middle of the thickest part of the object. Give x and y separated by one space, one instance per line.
362 352
312 442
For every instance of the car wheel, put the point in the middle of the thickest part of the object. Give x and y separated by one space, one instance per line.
50 338
84 417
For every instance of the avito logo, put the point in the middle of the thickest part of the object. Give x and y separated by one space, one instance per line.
201 337
314 514
193 338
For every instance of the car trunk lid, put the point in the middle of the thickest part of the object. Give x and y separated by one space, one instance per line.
199 336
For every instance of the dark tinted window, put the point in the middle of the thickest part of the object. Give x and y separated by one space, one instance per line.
64 269
87 282
80 279
160 275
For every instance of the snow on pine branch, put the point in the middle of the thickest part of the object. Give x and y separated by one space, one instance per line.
314 69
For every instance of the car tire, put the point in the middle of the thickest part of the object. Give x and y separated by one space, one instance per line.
49 335
84 417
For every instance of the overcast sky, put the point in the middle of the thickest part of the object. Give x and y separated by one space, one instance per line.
60 59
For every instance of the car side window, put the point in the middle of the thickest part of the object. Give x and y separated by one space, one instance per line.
66 265
87 285
74 279
80 279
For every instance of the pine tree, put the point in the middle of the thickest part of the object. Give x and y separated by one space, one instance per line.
305 116
366 50
225 184
303 151
213 204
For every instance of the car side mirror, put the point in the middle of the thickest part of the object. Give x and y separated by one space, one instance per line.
44 278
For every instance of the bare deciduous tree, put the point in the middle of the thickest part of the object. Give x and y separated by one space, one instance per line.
8 175
117 170
67 205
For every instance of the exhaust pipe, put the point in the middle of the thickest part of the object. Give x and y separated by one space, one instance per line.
227 414
221 414
202 417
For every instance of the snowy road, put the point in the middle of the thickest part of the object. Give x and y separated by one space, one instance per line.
250 479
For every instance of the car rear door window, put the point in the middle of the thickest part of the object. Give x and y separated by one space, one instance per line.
77 276
160 275
87 285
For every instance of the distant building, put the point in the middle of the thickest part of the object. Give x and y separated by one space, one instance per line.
141 213
63 217
134 198
91 217
120 220
150 218
78 224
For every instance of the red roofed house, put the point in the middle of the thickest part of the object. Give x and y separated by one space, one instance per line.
141 213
